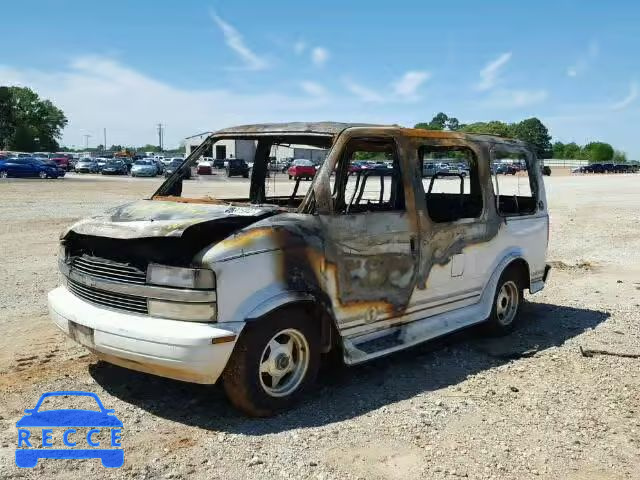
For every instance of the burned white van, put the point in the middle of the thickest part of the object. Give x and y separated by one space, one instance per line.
369 258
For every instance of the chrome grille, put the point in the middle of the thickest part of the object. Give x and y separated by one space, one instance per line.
108 299
108 270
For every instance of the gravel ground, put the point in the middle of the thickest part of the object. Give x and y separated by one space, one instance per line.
523 407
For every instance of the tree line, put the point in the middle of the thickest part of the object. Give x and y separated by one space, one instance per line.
535 133
27 122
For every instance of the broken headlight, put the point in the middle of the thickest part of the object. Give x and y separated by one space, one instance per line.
196 278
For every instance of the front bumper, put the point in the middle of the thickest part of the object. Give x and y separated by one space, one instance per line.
144 173
188 351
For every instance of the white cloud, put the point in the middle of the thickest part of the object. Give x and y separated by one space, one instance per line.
582 64
516 98
629 99
407 86
491 71
313 89
299 47
235 42
319 56
98 92
361 92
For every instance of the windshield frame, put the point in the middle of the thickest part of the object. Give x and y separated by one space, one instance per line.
171 188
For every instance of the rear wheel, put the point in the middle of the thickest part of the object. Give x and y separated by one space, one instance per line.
275 360
506 303
4 174
43 175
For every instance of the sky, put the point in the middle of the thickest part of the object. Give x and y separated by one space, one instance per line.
197 66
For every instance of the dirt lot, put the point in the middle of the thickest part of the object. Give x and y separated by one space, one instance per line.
527 406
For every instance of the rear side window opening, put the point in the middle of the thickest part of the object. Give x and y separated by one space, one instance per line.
513 186
451 183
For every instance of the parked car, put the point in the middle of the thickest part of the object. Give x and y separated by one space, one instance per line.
100 163
356 275
428 169
159 165
237 168
204 168
219 163
302 169
62 162
506 169
114 167
144 168
61 171
174 165
86 165
27 167
595 168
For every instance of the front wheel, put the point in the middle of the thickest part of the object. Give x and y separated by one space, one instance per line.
506 304
275 360
4 174
43 175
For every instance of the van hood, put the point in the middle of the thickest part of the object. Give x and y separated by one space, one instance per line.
153 218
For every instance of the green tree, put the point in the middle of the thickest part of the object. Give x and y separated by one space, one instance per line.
598 152
440 121
619 156
534 132
33 123
453 124
572 151
558 150
493 127
7 121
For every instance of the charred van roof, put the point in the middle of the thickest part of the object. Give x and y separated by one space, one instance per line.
331 129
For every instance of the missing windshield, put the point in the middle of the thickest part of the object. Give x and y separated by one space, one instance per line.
265 169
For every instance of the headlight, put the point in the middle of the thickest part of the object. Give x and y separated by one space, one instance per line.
196 278
194 312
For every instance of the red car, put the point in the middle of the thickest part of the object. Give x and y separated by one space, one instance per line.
204 168
62 162
303 169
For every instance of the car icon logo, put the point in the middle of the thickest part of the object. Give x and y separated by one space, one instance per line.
69 433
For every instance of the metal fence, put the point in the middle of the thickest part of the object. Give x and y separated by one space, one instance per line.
563 162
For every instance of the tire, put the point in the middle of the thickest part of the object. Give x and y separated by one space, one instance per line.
253 392
506 303
290 177
43 175
4 174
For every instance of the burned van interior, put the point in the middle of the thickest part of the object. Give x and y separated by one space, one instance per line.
451 183
266 185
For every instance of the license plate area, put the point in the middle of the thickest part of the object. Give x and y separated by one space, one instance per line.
81 334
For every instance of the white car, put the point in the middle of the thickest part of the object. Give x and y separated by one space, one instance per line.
256 291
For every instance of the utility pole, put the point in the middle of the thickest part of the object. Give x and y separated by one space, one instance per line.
160 135
104 130
86 140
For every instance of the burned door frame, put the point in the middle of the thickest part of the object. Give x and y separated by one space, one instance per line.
438 289
356 309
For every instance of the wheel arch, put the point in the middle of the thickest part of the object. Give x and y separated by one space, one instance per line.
521 266
316 304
